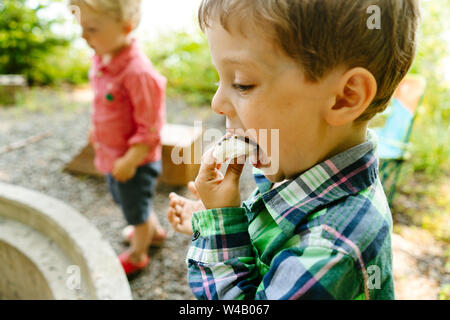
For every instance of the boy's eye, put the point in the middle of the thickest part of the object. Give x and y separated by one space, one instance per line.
91 30
242 88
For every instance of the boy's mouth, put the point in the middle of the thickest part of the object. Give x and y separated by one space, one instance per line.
90 46
258 157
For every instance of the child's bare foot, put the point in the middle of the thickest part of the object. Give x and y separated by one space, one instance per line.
181 210
158 237
160 234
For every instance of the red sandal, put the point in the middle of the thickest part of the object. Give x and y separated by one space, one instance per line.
130 267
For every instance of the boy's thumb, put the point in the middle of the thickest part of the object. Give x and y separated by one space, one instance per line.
193 189
234 172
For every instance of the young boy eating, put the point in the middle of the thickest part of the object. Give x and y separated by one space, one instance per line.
317 227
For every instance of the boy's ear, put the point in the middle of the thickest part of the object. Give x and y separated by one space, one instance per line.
128 27
356 89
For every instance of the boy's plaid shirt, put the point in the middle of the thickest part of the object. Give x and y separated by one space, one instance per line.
323 235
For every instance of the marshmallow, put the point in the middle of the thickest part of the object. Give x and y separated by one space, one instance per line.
233 147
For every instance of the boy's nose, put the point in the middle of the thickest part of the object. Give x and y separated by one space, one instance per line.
220 104
84 36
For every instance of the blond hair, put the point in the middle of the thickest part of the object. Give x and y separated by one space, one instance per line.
121 10
324 34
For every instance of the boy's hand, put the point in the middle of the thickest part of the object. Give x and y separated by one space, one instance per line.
126 166
215 190
123 170
181 210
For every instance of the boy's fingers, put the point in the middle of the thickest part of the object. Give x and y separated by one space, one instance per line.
234 171
193 189
208 167
172 202
175 201
173 219
170 213
174 196
171 216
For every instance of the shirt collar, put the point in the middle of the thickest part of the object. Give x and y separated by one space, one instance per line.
119 61
344 174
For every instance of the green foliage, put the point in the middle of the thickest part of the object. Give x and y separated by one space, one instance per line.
424 178
24 38
29 47
445 292
47 100
62 65
185 60
430 136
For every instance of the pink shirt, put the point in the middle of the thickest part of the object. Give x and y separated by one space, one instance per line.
129 106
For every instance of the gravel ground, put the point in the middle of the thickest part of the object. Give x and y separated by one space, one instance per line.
418 265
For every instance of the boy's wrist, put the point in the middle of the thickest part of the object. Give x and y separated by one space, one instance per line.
210 222
130 161
227 226
136 154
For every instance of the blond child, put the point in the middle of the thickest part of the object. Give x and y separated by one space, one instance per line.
318 226
127 118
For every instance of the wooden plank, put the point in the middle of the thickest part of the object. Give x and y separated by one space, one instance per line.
172 136
83 163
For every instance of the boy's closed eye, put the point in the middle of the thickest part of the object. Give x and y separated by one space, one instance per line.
242 87
239 87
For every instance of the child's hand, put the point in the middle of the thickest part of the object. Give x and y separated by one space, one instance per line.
215 190
123 170
181 210
126 166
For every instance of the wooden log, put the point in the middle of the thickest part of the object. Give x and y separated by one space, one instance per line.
10 86
180 140
83 163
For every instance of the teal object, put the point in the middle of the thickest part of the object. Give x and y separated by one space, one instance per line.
393 139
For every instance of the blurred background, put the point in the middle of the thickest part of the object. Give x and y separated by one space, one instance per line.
40 40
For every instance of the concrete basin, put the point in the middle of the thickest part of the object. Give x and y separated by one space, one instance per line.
50 251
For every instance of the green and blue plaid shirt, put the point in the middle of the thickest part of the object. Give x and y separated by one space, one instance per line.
323 235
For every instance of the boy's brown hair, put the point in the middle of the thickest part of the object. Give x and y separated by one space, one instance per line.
325 34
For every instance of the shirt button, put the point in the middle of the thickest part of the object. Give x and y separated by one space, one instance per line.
109 97
196 235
